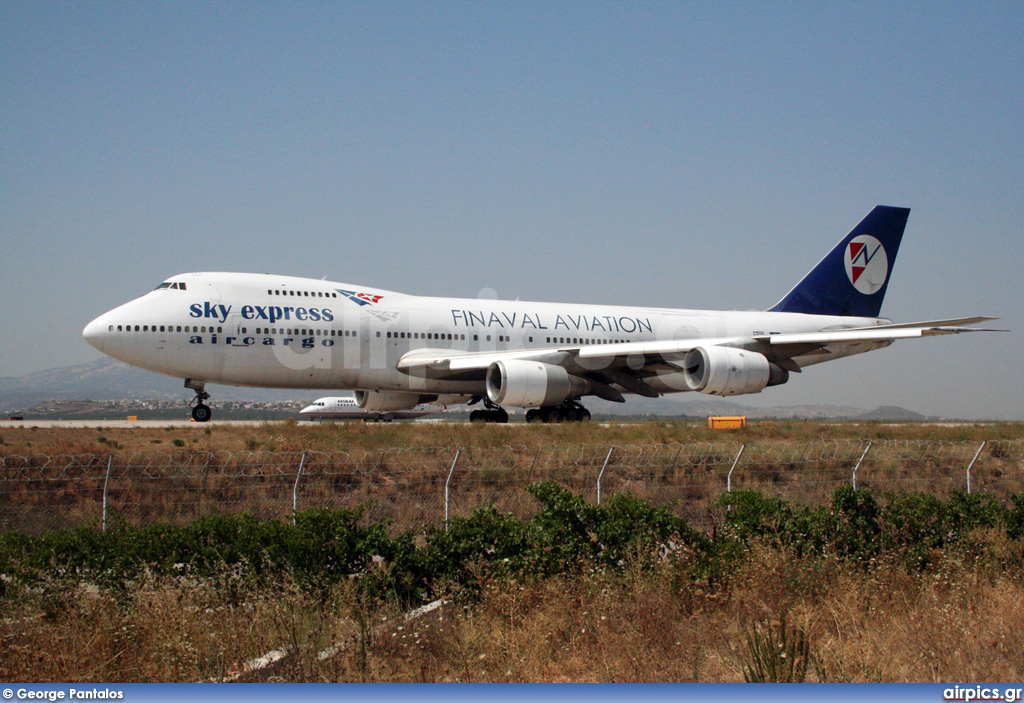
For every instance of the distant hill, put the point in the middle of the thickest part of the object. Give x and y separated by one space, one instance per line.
892 413
107 379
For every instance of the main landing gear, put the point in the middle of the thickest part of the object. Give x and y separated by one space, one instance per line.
569 411
200 411
492 413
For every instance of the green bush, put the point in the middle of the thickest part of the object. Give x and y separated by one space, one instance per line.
567 535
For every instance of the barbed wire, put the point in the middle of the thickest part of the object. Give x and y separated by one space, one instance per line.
407 486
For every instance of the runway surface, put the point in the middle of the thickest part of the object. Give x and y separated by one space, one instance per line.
32 422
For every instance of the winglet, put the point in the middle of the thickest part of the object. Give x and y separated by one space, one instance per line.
852 278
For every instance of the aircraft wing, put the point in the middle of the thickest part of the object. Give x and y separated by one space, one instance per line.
879 333
627 364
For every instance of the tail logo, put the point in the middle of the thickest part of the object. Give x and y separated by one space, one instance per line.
867 266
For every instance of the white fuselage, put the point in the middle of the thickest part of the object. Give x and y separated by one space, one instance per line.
346 408
287 332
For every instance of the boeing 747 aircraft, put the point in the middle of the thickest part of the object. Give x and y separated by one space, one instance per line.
397 351
346 408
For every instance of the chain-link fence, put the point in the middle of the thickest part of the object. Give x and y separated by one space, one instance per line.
416 487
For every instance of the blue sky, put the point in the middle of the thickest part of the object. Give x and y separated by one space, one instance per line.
700 155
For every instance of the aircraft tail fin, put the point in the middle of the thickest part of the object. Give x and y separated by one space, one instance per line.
852 278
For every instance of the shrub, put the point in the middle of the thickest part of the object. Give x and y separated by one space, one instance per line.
776 655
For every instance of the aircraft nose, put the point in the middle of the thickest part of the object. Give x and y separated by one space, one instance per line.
95 332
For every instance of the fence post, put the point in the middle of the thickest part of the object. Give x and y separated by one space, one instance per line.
447 492
295 488
858 464
971 465
529 479
202 484
106 487
678 452
601 475
728 479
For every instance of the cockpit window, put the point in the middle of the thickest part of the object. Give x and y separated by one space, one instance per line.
165 284
172 286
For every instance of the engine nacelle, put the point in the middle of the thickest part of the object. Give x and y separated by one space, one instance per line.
532 384
730 371
385 401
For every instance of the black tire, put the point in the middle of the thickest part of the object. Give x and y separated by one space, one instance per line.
533 415
478 416
585 415
201 413
551 414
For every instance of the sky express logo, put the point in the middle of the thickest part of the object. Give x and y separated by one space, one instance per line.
361 298
270 313
867 266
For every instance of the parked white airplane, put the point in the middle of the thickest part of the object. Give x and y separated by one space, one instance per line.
397 351
346 408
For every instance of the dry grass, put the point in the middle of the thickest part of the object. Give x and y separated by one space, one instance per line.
960 620
327 437
179 473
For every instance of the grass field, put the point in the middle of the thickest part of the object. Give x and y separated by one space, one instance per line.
57 476
954 622
955 612
294 436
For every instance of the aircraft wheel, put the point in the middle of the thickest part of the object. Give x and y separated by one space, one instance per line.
551 414
533 415
584 415
571 414
201 413
478 416
500 416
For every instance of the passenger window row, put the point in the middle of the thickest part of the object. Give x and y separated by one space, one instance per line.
424 335
218 329
305 332
302 293
352 333
501 338
163 328
584 340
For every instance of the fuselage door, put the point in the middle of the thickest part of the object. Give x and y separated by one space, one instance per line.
239 329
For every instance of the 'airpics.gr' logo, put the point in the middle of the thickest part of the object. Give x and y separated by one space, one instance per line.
866 264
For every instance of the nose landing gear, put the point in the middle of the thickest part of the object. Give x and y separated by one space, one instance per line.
200 411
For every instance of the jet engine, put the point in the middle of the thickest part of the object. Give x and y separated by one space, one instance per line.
384 401
730 371
532 384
